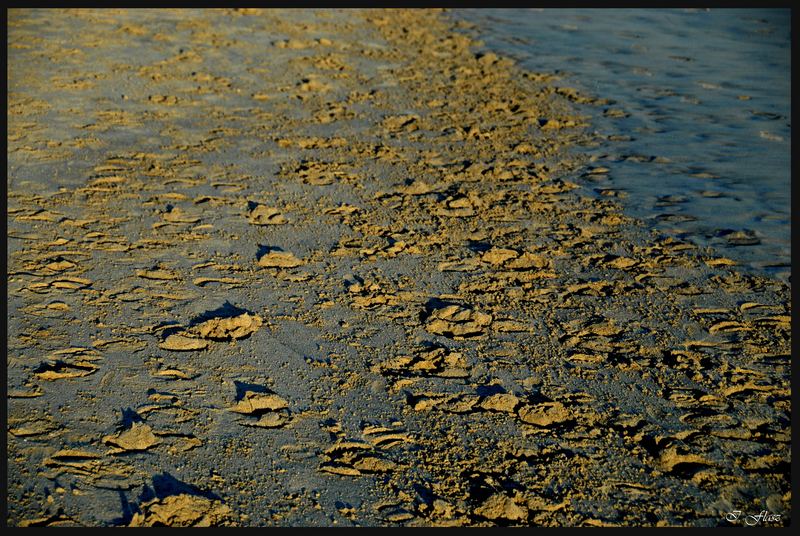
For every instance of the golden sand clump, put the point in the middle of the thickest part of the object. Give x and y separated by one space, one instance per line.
235 327
279 259
458 322
214 329
182 511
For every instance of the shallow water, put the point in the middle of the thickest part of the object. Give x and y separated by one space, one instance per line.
702 150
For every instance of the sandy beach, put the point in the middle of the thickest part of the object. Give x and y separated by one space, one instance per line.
337 268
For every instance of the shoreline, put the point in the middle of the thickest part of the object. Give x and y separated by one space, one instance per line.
349 281
689 190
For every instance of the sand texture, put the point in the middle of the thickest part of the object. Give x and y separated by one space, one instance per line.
273 267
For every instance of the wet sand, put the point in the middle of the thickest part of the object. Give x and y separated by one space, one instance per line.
335 268
696 148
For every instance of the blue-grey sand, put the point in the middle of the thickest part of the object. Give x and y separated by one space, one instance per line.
349 268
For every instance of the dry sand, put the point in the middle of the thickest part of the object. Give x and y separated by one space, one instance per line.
333 268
